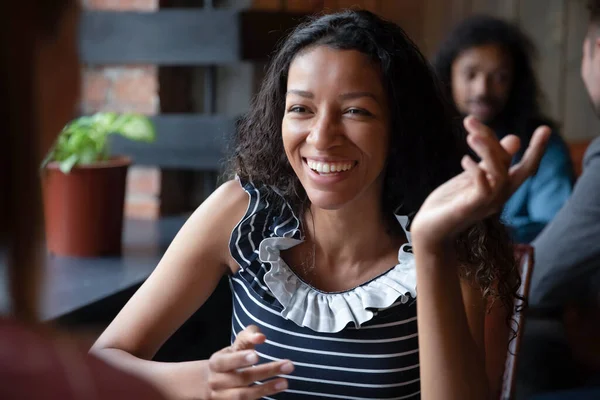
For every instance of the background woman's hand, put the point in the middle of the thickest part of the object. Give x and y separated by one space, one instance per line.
481 189
232 371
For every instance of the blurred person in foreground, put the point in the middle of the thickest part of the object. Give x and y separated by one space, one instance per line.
39 82
561 347
486 67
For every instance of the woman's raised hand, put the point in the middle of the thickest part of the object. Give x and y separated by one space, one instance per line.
481 189
233 370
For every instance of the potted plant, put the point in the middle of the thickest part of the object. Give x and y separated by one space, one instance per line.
83 186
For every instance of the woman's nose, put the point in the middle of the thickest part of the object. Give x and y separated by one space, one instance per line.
481 85
325 132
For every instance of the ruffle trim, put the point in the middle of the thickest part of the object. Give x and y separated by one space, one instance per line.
272 224
332 312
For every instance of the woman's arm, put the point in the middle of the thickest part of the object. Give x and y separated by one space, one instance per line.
183 280
450 319
451 334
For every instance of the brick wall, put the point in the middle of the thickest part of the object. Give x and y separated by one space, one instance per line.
131 88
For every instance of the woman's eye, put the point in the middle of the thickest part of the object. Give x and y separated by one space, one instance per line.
358 111
470 75
297 109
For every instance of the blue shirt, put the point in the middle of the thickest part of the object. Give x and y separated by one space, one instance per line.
540 197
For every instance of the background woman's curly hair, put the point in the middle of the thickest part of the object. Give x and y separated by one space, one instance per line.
426 144
522 113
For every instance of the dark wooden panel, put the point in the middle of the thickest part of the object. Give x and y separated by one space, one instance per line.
262 30
439 18
507 9
543 21
183 141
169 37
181 36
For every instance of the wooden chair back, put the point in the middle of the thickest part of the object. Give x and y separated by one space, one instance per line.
501 348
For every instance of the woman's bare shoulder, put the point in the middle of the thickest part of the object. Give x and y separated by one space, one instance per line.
228 200
217 216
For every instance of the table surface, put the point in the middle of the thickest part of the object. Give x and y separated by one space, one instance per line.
73 283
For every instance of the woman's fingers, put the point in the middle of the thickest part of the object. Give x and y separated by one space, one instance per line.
506 149
496 156
477 174
492 161
511 144
248 338
253 392
495 160
531 159
250 375
480 197
234 373
225 361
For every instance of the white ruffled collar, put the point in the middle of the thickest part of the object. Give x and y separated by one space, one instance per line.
332 312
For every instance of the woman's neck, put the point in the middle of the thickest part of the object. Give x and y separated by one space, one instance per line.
351 235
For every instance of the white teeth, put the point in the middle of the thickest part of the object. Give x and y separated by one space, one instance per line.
327 168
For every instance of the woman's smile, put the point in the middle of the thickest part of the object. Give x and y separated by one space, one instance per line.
323 173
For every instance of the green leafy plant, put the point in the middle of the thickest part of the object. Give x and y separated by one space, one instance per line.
85 139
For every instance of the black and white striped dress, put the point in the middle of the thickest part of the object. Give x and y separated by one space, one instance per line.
356 344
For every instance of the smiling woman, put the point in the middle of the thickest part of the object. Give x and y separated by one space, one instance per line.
336 115
348 138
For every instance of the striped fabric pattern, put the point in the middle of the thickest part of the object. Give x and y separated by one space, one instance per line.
377 360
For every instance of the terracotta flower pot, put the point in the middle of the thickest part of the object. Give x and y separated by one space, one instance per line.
84 208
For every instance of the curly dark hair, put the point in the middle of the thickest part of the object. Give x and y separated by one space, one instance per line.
425 149
522 113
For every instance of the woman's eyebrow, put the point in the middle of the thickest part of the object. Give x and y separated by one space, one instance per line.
355 95
302 93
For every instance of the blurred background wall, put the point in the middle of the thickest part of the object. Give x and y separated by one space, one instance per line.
557 28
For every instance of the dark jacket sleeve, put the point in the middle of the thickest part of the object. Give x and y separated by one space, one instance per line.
567 252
